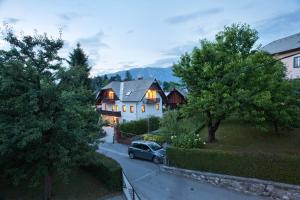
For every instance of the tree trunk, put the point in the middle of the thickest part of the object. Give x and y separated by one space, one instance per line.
48 185
212 128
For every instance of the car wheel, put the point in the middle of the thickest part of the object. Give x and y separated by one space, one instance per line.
131 155
156 160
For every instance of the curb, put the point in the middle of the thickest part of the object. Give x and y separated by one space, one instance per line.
253 186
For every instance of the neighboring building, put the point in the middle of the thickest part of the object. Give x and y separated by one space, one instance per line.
130 100
288 51
175 98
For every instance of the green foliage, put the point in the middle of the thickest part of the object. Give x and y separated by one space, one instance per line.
141 126
47 123
275 167
128 76
187 141
172 123
168 86
105 169
227 76
160 139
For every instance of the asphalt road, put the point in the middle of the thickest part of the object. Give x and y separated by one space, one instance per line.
152 184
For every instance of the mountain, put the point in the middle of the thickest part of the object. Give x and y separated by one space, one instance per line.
161 74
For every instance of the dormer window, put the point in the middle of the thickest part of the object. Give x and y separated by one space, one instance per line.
151 94
110 95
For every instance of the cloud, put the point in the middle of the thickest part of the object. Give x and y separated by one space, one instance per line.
94 41
278 25
92 45
180 49
68 16
130 31
163 62
194 15
11 20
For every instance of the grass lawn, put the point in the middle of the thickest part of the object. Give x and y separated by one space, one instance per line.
81 186
242 137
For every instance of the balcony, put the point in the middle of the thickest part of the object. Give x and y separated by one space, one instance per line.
151 101
109 113
108 101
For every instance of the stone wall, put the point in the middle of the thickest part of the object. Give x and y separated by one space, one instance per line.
274 190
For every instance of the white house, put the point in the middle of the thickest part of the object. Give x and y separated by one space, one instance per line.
288 51
130 100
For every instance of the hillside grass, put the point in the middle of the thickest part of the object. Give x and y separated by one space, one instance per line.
241 137
81 186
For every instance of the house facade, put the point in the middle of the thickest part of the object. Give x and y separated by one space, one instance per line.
288 51
120 102
176 98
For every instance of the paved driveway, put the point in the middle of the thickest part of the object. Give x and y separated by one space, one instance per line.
153 184
109 134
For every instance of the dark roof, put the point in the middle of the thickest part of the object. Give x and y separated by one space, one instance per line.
130 90
284 44
183 92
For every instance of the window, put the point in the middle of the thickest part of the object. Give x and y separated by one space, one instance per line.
157 106
151 94
111 95
105 107
124 108
112 107
117 108
131 109
143 108
297 62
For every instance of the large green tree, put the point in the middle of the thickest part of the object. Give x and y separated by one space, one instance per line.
45 129
229 76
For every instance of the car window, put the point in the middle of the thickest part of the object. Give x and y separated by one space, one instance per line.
135 145
155 146
145 147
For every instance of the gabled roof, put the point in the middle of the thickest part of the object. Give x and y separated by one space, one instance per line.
284 44
183 92
130 90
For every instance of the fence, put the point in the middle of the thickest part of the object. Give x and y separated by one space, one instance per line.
128 189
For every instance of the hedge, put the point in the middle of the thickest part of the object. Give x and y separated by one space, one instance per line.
160 139
275 167
107 170
139 127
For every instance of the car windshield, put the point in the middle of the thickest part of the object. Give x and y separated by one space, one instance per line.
154 146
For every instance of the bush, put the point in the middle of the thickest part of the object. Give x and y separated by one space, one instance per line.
275 167
139 127
187 141
160 139
106 170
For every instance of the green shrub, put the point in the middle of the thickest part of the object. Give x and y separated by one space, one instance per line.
106 170
160 139
187 141
275 167
139 127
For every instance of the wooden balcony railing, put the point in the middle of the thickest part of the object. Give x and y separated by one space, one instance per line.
151 101
109 113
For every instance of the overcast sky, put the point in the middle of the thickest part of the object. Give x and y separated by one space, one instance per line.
122 34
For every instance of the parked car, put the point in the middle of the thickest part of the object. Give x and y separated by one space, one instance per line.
146 150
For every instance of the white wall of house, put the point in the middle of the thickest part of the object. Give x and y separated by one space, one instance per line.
292 72
128 116
150 108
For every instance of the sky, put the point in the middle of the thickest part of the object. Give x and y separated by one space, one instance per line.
123 34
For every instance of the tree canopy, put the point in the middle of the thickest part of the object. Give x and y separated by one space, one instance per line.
46 124
229 76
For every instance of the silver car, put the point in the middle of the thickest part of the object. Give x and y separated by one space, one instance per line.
146 150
